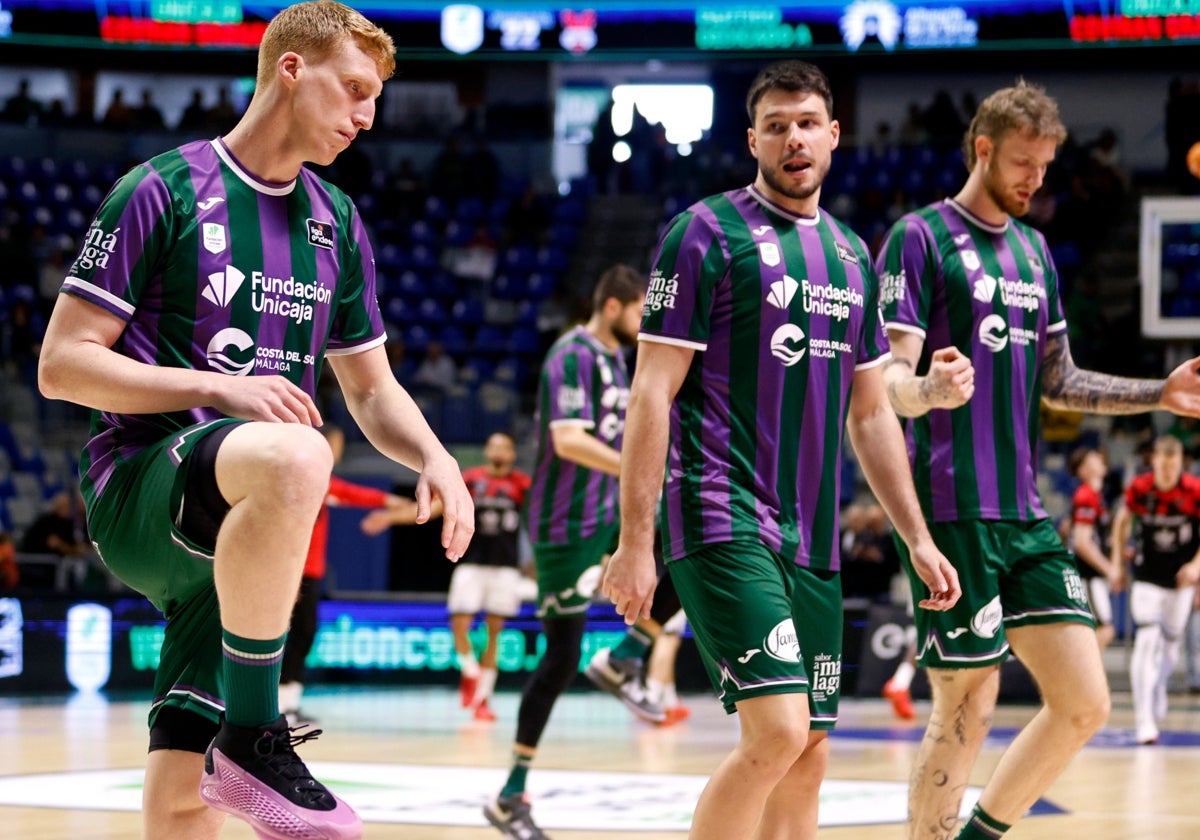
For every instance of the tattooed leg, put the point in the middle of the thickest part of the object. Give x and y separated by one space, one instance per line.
963 703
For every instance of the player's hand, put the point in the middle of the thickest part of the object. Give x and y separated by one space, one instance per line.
950 380
401 512
1181 394
938 574
1116 578
270 399
628 580
442 479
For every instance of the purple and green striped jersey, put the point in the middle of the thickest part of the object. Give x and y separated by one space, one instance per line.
582 383
212 269
782 310
992 292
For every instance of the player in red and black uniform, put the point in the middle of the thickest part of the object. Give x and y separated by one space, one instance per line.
1089 539
487 579
1166 505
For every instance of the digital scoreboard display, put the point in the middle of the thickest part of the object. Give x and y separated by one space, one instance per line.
617 29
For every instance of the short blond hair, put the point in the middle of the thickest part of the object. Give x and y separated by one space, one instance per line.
1023 108
315 30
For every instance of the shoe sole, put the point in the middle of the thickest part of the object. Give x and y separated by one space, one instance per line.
603 682
228 790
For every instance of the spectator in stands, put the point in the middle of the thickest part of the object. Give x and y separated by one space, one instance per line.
56 114
1087 325
1182 130
484 169
406 191
195 115
222 114
450 173
912 130
943 122
600 161
21 107
21 335
869 557
437 370
56 530
1106 155
399 361
527 220
1088 539
147 116
118 115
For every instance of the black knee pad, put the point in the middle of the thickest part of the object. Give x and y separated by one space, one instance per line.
179 729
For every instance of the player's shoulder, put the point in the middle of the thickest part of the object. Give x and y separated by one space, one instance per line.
1190 483
1085 495
1141 483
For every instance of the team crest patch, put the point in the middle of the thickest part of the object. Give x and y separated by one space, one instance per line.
845 254
320 234
214 237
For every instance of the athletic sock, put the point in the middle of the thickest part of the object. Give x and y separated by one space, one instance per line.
469 665
903 677
487 682
516 776
251 668
981 826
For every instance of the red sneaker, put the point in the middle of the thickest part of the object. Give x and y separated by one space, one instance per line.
466 689
901 698
676 714
484 712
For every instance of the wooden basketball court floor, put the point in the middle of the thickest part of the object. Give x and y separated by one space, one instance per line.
66 764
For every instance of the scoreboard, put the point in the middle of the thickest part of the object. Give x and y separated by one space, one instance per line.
621 29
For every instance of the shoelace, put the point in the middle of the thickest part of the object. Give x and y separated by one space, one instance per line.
278 750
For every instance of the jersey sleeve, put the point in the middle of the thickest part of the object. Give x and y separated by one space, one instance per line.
873 348
344 493
569 385
688 264
908 271
357 323
1134 497
1083 507
1056 318
125 245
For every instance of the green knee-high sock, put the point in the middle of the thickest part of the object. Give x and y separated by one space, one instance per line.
982 826
633 645
251 668
516 777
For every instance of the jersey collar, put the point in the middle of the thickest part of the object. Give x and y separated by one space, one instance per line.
975 220
779 210
251 180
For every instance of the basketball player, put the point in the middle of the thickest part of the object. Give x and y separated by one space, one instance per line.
761 315
1165 503
978 339
211 286
488 578
1089 539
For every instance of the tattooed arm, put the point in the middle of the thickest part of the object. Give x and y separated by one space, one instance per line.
1065 386
949 382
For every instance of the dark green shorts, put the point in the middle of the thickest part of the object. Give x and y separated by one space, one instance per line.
764 625
134 529
568 574
1013 573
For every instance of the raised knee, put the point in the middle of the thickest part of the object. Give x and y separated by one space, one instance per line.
294 459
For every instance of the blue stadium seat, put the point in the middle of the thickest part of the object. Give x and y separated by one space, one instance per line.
526 341
399 311
540 285
454 340
416 338
468 312
490 340
508 286
431 312
411 285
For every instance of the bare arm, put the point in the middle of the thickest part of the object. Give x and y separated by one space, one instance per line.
879 443
394 424
1064 386
949 383
629 578
1083 538
572 442
1120 538
78 364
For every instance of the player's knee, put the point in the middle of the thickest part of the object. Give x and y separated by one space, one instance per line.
775 748
294 461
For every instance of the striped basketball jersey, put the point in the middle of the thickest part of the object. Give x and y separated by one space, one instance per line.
782 310
583 383
992 292
212 269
